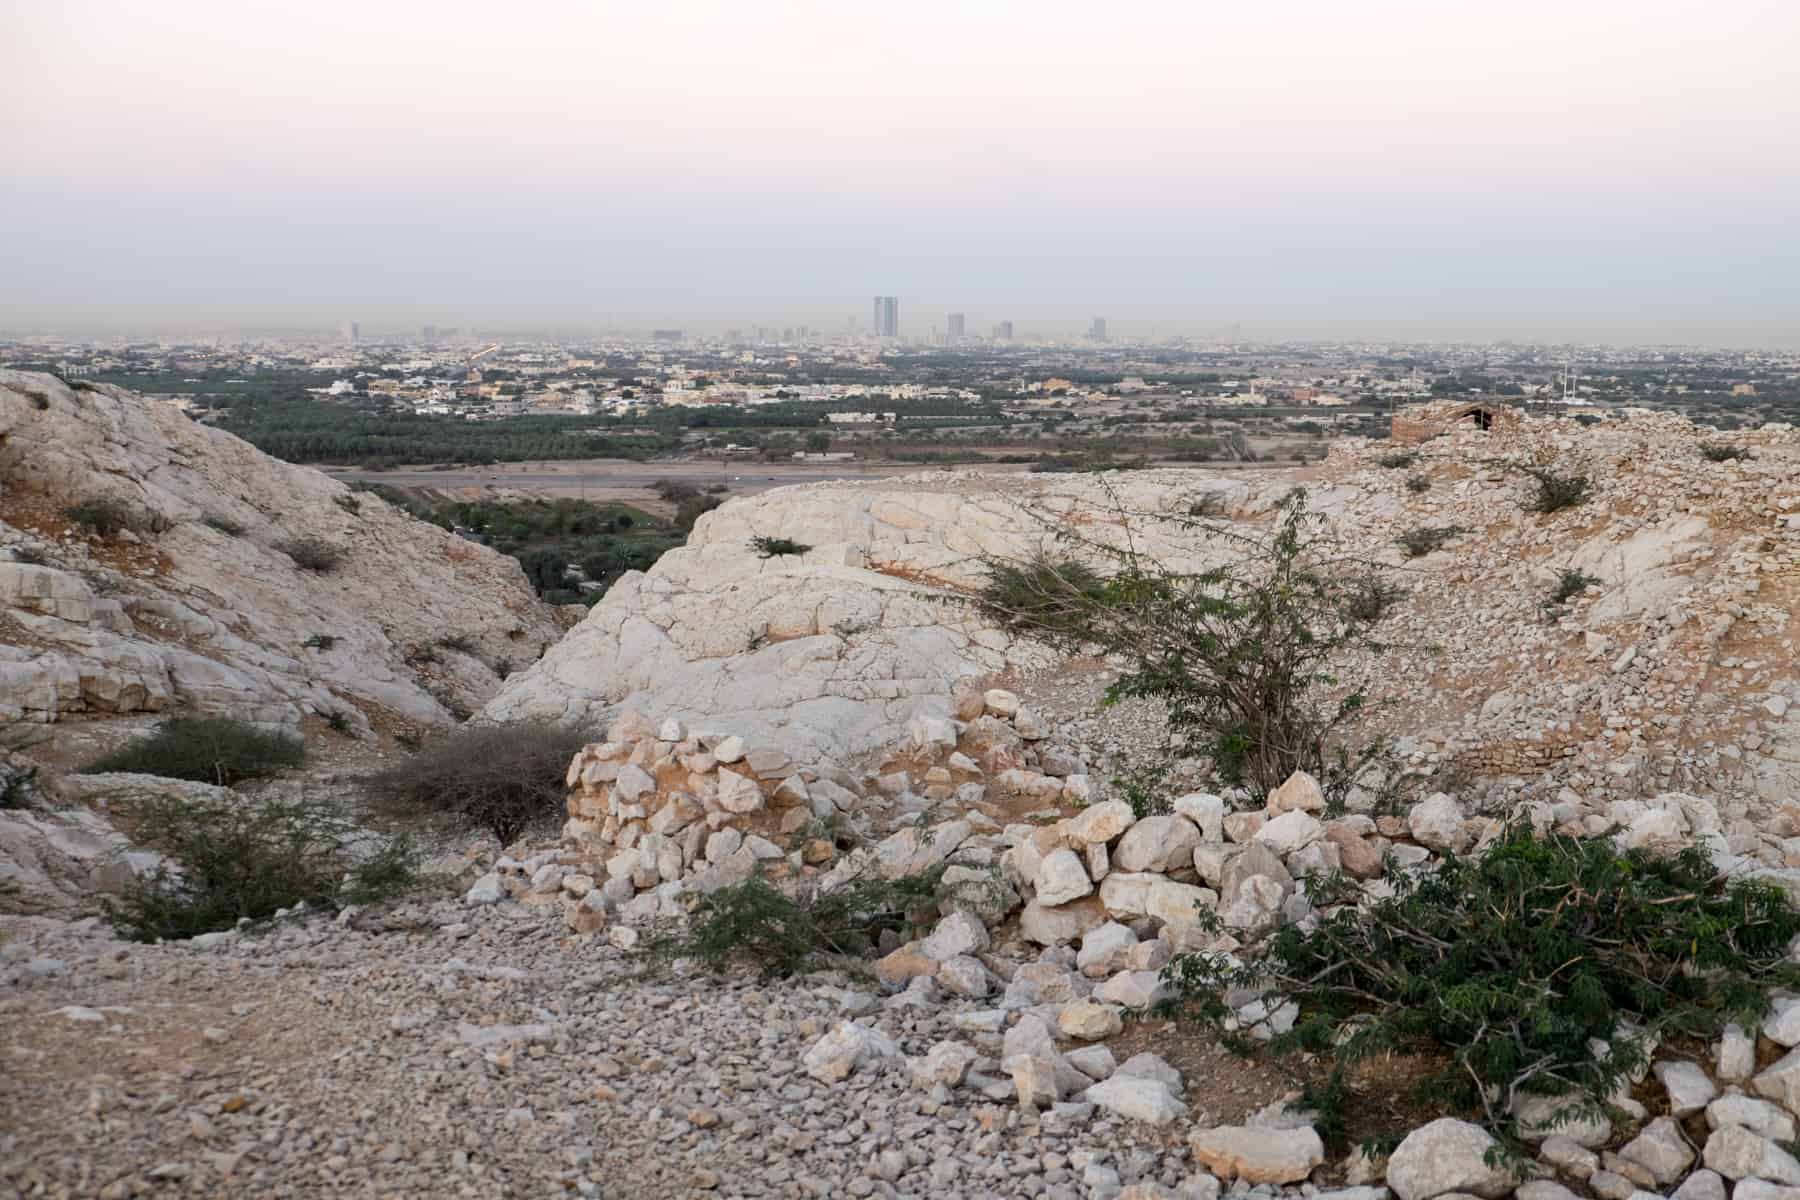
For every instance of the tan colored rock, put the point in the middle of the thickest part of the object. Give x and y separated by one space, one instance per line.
1257 1155
1300 793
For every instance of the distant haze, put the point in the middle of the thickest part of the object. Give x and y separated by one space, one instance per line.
1576 170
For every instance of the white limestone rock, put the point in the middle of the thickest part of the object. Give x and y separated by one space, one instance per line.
1445 1156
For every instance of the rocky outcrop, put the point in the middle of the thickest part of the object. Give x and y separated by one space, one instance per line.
198 608
823 655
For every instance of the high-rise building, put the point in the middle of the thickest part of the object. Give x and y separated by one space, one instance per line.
1097 331
351 331
428 334
956 327
887 316
1003 332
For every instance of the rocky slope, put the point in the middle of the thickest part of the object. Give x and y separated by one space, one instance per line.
199 610
1669 670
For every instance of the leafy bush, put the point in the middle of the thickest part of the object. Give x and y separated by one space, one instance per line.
1557 492
1053 597
237 859
1243 655
494 777
1498 970
1418 483
215 750
768 547
223 524
1422 541
1571 583
321 641
1720 452
782 934
1398 459
312 553
107 516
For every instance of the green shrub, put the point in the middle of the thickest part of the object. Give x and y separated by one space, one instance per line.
1051 597
1422 541
1720 452
312 553
1499 969
1418 483
205 749
1398 459
108 516
243 859
1244 656
1557 492
223 524
348 503
1570 584
321 641
785 934
338 721
499 778
769 547
18 784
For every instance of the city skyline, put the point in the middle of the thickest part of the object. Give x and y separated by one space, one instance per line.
1304 169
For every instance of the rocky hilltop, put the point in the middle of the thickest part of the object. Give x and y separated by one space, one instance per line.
1666 667
195 605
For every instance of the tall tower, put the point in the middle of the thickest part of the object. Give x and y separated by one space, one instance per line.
1097 331
351 332
956 327
887 316
1003 331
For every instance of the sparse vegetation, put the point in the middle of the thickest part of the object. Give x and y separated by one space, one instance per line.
215 750
1422 541
770 547
338 721
248 859
1418 483
784 934
1501 970
1398 459
223 524
499 778
321 641
1370 596
1570 584
1210 504
313 554
1720 452
348 503
1557 492
692 508
108 516
461 643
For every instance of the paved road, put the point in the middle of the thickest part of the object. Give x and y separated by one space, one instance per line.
626 475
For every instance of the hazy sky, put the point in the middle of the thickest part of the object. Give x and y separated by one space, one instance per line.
1565 170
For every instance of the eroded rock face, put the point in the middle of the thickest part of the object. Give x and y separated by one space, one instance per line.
824 654
186 615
